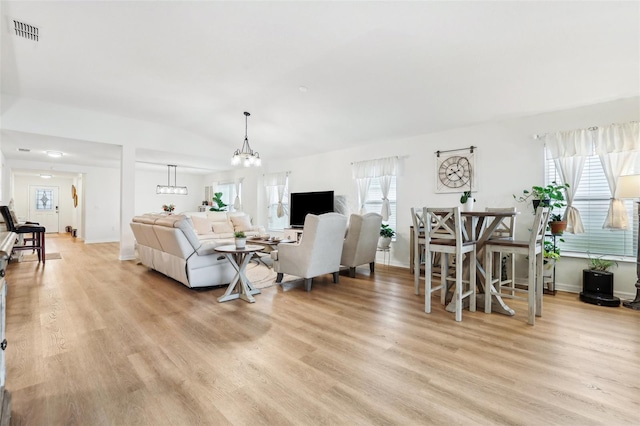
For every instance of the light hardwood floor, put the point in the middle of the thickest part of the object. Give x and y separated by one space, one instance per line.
96 341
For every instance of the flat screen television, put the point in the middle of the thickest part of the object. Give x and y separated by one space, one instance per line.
302 203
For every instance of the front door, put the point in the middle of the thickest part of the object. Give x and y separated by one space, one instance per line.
43 206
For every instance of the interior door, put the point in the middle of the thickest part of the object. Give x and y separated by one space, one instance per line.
43 206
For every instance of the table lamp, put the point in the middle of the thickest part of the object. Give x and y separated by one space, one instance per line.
629 187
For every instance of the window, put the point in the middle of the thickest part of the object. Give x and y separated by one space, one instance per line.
272 182
374 200
228 194
592 200
44 199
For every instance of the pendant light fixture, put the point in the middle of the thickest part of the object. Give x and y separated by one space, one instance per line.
171 189
246 155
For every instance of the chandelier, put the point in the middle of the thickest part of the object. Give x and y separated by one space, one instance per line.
171 189
246 155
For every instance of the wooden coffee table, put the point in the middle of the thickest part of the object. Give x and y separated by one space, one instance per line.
269 246
239 259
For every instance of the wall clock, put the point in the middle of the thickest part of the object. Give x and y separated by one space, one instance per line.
455 172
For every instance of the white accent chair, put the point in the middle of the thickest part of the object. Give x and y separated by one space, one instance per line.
361 243
446 234
319 250
533 249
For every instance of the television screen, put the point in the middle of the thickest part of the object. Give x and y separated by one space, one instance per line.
303 203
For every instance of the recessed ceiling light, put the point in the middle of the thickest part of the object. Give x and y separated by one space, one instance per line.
303 89
55 154
45 176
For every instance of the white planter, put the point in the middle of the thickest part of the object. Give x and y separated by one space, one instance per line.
468 206
384 242
241 243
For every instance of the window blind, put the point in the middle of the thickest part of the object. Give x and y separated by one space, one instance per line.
374 200
592 200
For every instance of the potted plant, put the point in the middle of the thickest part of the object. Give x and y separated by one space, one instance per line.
597 282
386 233
557 224
551 195
168 208
240 239
551 254
219 205
467 200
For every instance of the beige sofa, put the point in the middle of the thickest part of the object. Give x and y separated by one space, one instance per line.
221 225
169 245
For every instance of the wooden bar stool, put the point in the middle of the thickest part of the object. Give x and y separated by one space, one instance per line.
533 249
35 242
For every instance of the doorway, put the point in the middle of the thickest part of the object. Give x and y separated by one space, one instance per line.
43 207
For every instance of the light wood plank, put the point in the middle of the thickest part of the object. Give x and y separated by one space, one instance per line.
93 340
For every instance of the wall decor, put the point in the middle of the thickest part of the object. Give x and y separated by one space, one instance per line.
456 170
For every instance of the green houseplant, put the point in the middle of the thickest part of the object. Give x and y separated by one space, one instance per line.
219 205
597 282
600 264
386 234
467 200
551 195
551 252
240 239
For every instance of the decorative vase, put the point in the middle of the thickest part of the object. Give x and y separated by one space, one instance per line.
468 206
384 242
241 243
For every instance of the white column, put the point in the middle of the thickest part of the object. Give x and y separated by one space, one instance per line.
127 201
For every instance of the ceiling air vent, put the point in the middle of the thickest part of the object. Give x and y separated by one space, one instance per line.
25 30
24 150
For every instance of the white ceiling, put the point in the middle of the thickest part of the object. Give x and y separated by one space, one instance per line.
374 71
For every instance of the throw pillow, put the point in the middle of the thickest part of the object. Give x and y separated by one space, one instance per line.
222 228
201 225
241 223
217 216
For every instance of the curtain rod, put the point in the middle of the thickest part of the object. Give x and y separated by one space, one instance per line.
288 172
392 156
592 129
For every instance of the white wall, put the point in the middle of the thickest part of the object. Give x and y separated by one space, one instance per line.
508 161
147 201
101 192
21 197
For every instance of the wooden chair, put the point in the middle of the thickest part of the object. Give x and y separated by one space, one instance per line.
534 249
446 234
417 216
506 230
35 242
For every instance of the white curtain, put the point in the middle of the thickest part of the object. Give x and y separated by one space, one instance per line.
364 171
569 151
237 203
277 182
617 146
363 185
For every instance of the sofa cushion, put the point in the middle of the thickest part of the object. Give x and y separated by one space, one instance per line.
217 216
201 225
222 228
241 223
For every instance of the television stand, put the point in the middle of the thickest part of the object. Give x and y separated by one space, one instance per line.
294 234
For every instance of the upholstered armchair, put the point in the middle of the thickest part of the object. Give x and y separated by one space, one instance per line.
361 243
318 252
